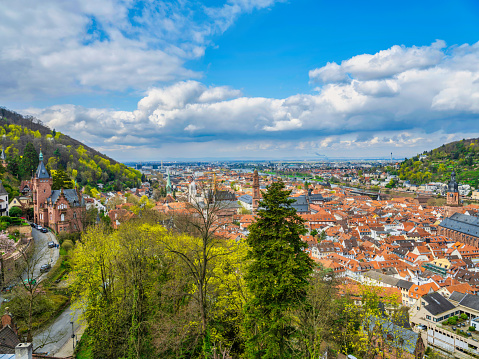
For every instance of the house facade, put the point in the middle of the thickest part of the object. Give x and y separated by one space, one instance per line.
61 210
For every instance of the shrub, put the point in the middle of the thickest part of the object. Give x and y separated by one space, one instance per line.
464 316
453 320
472 329
67 245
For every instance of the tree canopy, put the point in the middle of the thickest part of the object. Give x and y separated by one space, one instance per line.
277 276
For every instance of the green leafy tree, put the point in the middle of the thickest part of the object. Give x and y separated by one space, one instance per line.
13 165
15 212
277 277
62 180
29 162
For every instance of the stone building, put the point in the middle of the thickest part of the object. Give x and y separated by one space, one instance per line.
461 228
61 210
453 203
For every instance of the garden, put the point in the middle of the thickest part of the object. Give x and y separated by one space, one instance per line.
456 323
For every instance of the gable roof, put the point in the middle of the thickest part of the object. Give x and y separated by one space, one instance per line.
71 196
470 301
436 303
462 223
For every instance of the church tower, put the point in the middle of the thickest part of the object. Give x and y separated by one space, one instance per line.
452 191
42 189
256 195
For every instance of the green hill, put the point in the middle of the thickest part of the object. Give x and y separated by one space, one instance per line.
437 165
83 164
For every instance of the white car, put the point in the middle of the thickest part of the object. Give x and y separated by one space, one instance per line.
39 227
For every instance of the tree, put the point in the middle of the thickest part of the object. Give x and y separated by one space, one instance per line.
200 254
62 180
277 276
13 165
29 162
15 212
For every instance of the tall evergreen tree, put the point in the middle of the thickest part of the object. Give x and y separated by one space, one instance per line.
277 276
13 165
29 162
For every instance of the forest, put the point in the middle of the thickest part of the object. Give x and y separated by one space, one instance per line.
436 165
22 138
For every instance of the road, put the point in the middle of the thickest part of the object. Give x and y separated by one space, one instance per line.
42 254
59 333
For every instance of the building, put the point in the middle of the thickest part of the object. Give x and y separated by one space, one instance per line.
461 228
453 203
256 194
3 201
433 309
61 210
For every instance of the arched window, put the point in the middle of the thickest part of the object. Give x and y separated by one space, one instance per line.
62 217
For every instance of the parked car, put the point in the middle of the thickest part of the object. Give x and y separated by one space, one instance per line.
39 227
454 328
44 230
51 244
33 225
45 268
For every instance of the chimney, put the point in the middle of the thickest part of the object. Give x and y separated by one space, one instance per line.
24 351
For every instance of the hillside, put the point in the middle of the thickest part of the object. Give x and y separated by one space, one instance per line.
85 165
437 165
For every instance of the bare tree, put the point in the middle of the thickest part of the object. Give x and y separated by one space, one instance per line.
28 274
201 220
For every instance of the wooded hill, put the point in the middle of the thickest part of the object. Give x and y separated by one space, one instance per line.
83 164
437 165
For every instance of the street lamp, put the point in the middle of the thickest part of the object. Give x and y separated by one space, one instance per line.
73 336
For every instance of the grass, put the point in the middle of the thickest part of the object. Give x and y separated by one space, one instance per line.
84 349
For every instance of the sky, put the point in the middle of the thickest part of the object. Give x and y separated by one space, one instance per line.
245 79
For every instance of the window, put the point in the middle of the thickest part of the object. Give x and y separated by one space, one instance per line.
428 317
62 217
74 215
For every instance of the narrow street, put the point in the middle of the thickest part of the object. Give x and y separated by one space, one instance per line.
59 332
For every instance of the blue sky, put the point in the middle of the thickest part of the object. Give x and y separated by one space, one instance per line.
245 78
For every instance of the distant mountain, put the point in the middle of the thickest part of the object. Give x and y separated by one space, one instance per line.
437 165
83 164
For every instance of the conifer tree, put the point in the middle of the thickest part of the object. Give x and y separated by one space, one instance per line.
29 162
277 276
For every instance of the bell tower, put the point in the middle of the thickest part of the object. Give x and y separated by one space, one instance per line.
452 191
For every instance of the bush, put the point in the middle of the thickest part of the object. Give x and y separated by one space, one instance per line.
452 320
472 329
464 316
67 245
68 236
15 212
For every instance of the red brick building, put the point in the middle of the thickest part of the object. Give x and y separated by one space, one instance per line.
61 210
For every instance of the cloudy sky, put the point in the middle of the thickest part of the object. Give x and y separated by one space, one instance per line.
266 79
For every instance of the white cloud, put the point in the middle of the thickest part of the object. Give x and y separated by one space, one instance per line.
402 111
56 47
385 63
